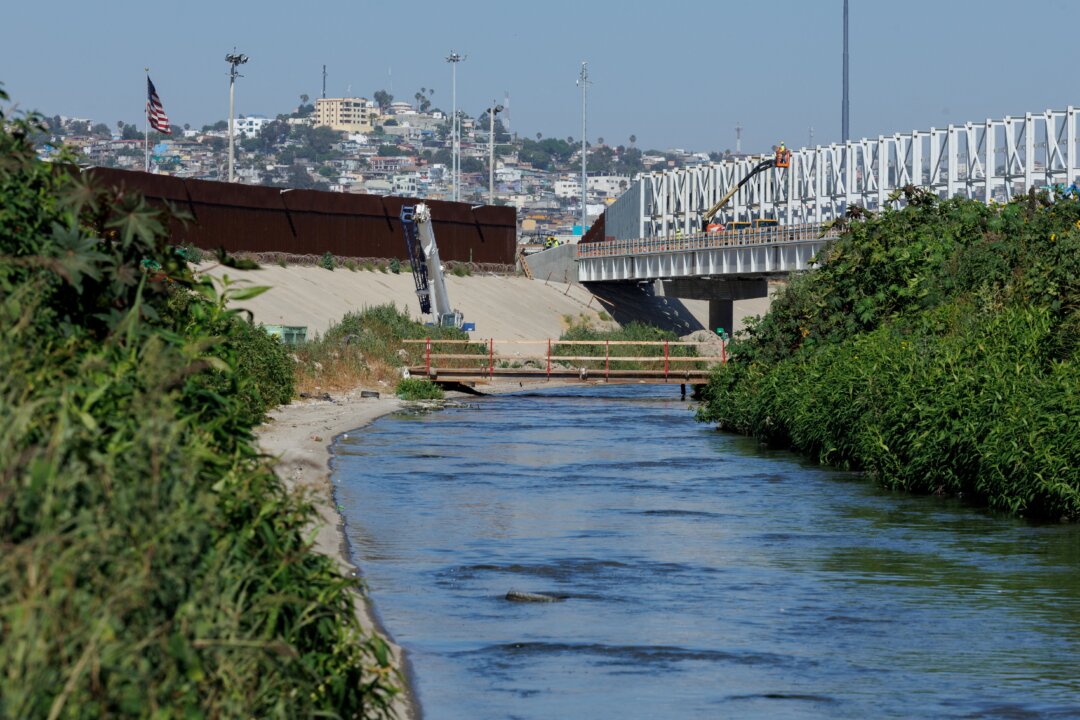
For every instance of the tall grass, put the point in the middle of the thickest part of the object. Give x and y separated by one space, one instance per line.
366 348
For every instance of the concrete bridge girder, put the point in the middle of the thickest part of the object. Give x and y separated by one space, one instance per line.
745 260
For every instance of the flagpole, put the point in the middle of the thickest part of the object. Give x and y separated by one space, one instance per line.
146 128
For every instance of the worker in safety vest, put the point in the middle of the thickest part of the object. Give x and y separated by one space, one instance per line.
783 155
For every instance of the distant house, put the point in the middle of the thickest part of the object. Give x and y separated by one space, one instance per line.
249 126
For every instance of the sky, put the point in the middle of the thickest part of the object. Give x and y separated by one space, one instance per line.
675 73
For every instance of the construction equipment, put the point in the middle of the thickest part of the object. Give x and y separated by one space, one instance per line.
426 267
782 159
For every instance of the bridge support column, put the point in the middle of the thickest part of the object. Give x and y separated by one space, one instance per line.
722 315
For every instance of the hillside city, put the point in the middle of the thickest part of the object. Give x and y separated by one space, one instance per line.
383 146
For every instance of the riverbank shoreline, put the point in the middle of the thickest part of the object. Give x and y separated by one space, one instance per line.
300 436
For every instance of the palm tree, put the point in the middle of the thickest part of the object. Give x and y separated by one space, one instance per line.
599 141
633 139
538 136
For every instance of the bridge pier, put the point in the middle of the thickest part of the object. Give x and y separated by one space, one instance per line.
722 315
729 300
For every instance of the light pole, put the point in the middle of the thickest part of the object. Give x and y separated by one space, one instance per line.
844 127
583 81
453 58
492 111
234 59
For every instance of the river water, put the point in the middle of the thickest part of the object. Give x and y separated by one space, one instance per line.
704 576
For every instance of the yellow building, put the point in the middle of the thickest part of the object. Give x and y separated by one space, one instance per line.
346 114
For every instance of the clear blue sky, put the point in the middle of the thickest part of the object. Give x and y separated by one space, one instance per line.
677 73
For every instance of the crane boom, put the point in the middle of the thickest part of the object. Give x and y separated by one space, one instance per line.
763 165
426 266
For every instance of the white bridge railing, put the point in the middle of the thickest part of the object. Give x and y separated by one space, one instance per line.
989 160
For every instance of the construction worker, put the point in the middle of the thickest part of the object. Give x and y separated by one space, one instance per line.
781 154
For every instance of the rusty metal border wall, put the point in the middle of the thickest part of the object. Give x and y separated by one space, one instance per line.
251 218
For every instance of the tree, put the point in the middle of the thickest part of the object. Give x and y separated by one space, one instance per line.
633 139
599 141
383 99
130 132
303 99
101 130
539 135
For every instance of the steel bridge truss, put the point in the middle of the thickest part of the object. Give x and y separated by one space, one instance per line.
994 160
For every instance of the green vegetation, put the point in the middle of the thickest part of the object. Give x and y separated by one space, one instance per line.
151 562
327 261
936 348
366 348
418 389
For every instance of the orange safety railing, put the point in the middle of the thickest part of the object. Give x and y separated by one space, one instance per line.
673 361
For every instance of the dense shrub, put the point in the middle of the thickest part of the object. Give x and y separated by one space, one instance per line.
936 347
151 563
418 389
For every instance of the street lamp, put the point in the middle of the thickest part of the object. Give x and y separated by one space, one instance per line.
583 82
492 111
234 59
453 58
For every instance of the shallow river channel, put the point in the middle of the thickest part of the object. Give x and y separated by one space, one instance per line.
703 576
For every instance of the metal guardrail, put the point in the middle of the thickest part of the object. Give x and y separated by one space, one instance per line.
488 365
705 241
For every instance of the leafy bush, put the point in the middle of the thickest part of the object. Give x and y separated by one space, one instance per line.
395 266
366 347
151 562
327 261
418 389
936 348
350 265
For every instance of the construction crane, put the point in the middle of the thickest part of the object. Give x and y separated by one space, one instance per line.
782 159
426 267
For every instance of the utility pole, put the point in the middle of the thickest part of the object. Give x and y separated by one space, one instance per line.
491 150
583 81
146 129
845 134
324 82
453 58
235 60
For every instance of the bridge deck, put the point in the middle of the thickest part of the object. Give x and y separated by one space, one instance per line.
489 361
756 252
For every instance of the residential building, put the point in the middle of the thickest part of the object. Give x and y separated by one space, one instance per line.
250 125
346 114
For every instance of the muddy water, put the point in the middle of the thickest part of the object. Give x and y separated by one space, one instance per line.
703 576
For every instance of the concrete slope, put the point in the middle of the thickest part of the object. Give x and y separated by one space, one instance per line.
502 307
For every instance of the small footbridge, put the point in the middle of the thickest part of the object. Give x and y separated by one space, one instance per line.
585 362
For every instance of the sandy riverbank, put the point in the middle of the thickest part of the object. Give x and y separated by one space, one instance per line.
300 436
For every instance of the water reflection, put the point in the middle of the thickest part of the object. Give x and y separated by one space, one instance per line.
703 575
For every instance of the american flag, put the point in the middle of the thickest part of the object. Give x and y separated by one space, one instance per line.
155 111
